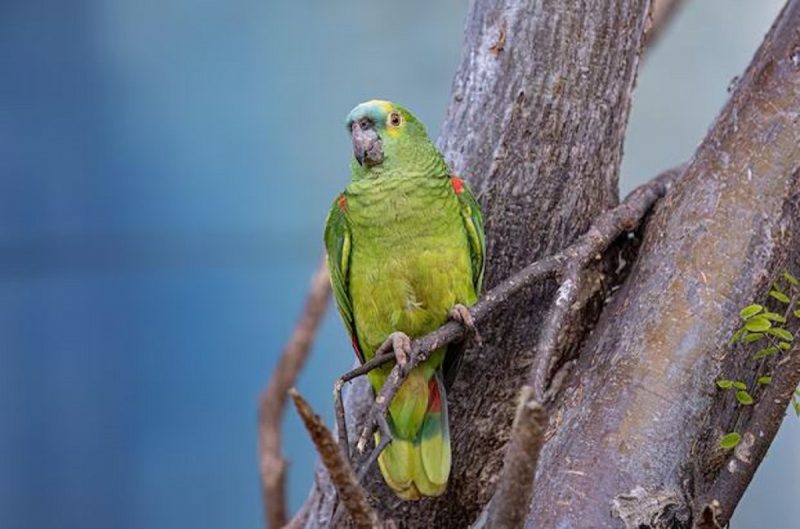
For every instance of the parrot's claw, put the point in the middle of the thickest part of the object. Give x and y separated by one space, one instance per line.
461 314
400 344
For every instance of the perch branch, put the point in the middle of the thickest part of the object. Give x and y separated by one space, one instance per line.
602 233
767 417
273 400
353 496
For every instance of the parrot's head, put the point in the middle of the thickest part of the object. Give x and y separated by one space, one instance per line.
388 139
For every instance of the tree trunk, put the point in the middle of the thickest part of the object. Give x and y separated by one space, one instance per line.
536 124
639 425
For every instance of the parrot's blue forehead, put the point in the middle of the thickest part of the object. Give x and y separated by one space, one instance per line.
376 110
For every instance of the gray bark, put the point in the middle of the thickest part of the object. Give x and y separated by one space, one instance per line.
540 105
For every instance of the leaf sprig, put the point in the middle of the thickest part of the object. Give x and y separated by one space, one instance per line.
768 329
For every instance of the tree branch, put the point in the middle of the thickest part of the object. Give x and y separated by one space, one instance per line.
352 495
767 416
273 400
512 497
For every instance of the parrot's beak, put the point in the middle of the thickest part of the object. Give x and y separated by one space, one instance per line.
367 147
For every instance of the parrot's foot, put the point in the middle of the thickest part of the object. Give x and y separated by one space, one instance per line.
400 343
462 315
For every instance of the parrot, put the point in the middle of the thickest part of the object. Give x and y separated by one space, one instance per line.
405 249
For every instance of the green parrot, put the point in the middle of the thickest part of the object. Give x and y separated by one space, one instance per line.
406 247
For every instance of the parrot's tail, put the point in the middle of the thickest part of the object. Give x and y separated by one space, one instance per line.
418 467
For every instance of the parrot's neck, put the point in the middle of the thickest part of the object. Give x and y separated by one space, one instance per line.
427 162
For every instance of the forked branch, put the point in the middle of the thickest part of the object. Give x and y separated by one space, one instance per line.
511 500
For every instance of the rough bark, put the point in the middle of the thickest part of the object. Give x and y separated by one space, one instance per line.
636 433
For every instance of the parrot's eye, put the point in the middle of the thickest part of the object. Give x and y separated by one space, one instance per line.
364 124
394 119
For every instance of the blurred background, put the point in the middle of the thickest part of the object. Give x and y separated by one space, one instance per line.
165 171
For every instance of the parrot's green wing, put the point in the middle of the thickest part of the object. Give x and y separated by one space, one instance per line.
473 223
337 244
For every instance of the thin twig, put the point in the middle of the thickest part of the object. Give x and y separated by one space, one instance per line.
519 465
273 400
341 473
338 403
767 416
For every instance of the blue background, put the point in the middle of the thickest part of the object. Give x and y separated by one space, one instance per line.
165 170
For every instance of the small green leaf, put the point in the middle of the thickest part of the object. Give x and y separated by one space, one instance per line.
797 313
757 324
785 345
752 337
738 384
744 397
780 296
772 316
730 440
764 380
727 384
737 335
797 392
791 279
783 334
765 352
796 406
750 311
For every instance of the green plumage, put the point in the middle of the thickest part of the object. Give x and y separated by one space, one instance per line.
405 244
